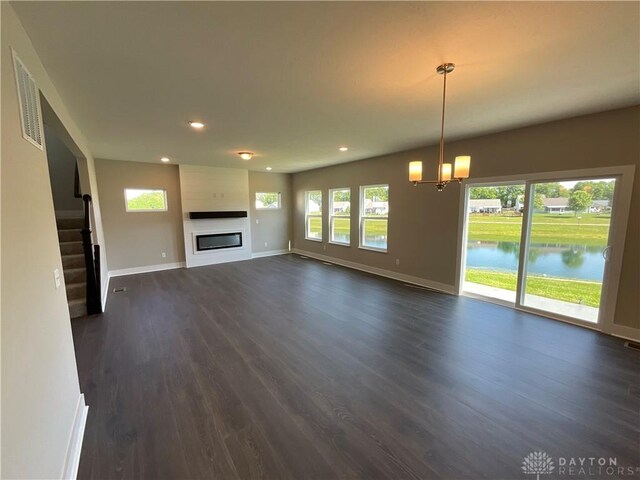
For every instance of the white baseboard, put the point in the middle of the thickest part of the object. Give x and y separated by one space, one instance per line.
628 333
105 292
69 214
74 448
423 282
145 269
270 253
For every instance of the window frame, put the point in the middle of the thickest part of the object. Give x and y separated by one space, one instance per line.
308 216
332 217
364 217
147 210
279 207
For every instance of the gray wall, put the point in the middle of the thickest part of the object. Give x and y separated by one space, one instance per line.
272 227
137 239
423 223
62 170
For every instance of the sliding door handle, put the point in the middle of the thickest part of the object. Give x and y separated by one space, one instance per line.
605 252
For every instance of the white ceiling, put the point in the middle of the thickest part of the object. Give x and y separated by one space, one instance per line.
294 81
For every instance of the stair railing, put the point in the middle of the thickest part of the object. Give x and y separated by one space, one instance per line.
92 262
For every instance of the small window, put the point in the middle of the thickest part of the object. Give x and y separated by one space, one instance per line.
340 216
145 200
374 217
267 200
313 215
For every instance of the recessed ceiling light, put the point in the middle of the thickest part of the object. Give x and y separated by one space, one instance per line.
196 125
246 155
343 149
269 169
165 159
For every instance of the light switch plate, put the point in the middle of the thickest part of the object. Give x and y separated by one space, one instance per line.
56 277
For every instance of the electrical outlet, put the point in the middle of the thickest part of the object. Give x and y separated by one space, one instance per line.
257 221
266 244
164 254
56 277
397 261
324 246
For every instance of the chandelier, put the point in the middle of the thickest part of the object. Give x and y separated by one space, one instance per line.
461 165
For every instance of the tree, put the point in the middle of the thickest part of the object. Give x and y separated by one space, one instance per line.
509 193
147 201
483 192
538 201
580 201
602 190
377 194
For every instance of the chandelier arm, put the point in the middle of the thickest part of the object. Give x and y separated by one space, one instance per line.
441 155
456 179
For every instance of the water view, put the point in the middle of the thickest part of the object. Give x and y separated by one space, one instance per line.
575 261
567 239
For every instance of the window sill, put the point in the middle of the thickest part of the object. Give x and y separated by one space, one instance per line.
373 249
340 244
313 239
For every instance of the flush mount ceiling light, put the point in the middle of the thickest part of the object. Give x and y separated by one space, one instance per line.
462 163
165 159
246 155
196 125
269 169
343 149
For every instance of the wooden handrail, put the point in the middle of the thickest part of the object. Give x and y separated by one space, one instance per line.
94 304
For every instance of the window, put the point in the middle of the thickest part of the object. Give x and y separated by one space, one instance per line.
313 216
145 200
340 216
374 217
267 200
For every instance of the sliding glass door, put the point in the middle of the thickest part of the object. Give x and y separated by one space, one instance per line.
567 247
494 229
540 245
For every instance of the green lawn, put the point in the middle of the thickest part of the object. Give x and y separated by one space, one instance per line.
343 225
591 229
574 291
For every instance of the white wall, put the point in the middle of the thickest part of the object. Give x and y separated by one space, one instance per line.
214 189
40 389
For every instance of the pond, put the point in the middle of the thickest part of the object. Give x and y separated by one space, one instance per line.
564 261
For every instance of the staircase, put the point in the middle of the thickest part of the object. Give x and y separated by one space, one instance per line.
73 264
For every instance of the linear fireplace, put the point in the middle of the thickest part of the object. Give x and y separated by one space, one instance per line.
217 241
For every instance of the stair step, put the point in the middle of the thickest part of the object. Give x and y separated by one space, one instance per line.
75 275
70 223
77 308
76 291
72 261
71 248
69 235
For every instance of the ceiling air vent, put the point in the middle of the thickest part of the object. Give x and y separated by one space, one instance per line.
29 103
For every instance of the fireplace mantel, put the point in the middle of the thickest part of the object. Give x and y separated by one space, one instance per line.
218 214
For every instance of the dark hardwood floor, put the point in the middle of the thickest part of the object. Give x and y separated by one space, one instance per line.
285 367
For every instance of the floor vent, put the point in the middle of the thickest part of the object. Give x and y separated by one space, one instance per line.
29 99
633 345
119 289
302 256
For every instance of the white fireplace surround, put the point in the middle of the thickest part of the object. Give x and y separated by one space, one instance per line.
217 251
214 189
